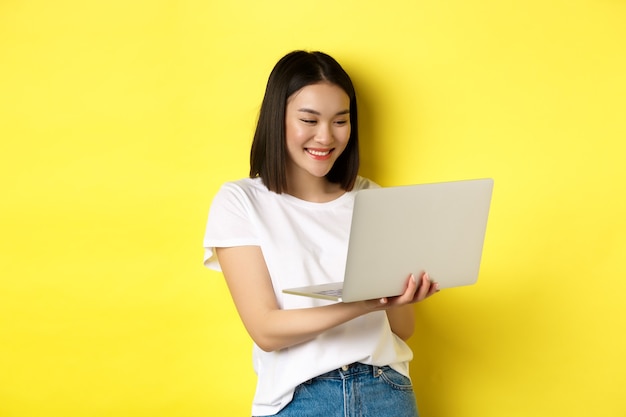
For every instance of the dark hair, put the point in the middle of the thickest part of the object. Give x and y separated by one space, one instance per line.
268 155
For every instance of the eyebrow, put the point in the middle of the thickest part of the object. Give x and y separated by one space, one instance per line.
315 112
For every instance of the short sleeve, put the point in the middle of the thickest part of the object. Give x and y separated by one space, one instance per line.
363 183
230 223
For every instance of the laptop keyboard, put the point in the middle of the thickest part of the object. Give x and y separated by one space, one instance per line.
333 293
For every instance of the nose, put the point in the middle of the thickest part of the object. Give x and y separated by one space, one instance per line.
324 134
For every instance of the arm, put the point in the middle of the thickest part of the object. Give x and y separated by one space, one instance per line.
402 319
270 327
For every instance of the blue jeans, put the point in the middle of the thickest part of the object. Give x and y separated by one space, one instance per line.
355 391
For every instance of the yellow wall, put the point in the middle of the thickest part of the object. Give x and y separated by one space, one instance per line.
120 119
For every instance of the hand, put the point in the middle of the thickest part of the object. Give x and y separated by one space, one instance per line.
416 291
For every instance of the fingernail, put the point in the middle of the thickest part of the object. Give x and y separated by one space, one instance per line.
383 301
413 278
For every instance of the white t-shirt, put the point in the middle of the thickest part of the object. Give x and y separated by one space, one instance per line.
303 243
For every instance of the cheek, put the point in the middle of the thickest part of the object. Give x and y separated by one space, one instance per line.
344 135
293 132
294 140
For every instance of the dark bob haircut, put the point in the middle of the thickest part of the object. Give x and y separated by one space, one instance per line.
268 155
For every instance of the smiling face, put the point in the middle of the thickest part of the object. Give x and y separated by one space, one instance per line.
317 126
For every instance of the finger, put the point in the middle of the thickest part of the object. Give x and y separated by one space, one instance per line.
412 286
376 303
424 288
434 288
410 291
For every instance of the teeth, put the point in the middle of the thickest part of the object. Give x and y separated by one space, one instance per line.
318 153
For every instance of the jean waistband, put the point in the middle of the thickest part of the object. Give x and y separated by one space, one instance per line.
352 369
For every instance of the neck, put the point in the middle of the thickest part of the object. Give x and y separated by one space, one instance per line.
315 190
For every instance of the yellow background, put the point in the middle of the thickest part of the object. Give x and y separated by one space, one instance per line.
120 119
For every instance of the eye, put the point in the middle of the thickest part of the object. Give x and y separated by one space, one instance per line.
308 121
341 122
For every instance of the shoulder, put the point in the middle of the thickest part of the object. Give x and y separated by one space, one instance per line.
244 185
239 194
363 183
240 188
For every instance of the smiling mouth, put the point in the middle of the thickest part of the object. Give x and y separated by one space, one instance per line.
318 153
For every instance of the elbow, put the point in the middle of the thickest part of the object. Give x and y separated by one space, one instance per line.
267 344
266 347
264 337
273 343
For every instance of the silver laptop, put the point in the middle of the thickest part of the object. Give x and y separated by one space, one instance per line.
437 228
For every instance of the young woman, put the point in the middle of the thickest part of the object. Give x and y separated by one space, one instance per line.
287 225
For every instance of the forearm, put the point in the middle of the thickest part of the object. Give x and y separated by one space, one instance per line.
278 329
402 321
270 327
